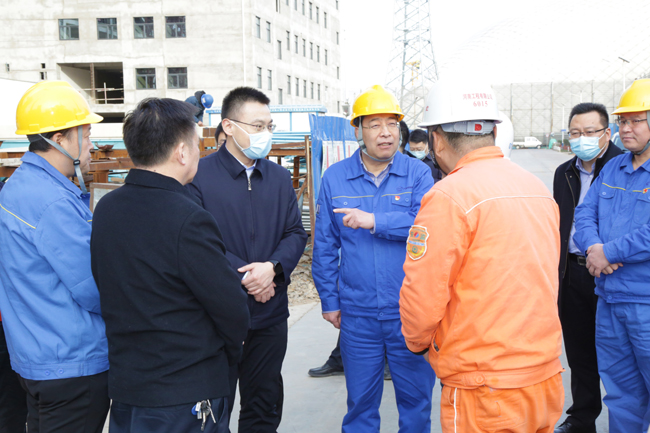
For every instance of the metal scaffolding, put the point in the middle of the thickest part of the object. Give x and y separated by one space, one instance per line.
412 68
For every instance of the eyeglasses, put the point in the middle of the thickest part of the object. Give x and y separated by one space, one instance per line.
377 126
576 134
632 123
258 128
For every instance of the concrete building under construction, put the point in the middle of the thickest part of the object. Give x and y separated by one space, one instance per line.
117 53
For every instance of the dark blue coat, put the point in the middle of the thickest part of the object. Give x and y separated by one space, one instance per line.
259 223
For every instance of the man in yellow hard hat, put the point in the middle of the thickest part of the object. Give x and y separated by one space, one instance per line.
49 301
367 204
613 230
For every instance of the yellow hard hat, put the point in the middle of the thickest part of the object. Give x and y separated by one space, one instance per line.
636 98
375 100
52 106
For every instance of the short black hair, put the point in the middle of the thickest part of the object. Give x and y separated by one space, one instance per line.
218 131
462 142
404 130
155 127
237 97
588 107
37 144
418 136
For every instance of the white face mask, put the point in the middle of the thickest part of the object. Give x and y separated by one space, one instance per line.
260 144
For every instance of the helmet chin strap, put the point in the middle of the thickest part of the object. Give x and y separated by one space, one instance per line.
364 148
75 161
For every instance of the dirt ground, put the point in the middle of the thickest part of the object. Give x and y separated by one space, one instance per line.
302 289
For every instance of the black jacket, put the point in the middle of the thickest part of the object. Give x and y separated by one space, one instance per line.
436 173
260 222
566 191
174 311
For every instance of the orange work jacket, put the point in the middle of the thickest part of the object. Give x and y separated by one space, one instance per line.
481 284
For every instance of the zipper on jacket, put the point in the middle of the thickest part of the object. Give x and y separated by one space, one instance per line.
249 183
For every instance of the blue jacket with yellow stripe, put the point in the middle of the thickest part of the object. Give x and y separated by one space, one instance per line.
370 275
616 213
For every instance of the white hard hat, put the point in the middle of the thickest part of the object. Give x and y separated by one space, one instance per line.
505 135
456 101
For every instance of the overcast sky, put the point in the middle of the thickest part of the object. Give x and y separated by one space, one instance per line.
505 41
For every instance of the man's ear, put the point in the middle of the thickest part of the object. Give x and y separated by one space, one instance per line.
495 132
180 153
356 132
227 126
438 142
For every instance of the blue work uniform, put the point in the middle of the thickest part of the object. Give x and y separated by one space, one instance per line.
49 301
365 288
616 213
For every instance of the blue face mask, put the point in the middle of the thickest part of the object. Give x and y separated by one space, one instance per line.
585 148
260 144
419 154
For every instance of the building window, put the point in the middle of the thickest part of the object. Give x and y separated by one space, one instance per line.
304 48
106 28
296 38
304 88
43 75
258 28
177 78
311 86
311 51
310 11
259 78
303 7
337 38
143 27
338 76
280 50
280 96
317 15
268 32
288 84
277 6
318 53
270 80
295 4
145 78
325 57
175 27
69 29
325 19
288 41
337 4
297 86
319 92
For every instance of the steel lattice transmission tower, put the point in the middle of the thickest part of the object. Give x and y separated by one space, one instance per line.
412 68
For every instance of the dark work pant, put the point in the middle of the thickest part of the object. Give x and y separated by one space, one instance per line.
260 379
578 317
169 419
74 405
13 403
335 360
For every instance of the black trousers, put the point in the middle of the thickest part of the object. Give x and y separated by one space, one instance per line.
13 402
578 317
170 419
259 373
74 405
335 360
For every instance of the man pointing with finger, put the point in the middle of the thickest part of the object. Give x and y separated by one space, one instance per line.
366 206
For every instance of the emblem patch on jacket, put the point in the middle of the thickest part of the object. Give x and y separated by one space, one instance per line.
416 244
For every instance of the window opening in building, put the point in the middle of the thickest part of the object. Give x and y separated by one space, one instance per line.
311 51
288 41
337 4
296 38
317 15
311 85
318 53
268 32
270 80
177 78
288 84
43 75
42 65
145 78
325 19
100 83
338 76
259 78
297 86
258 27
280 50
303 7
175 27
337 38
304 48
106 28
280 96
143 27
319 92
304 88
325 57
69 29
295 4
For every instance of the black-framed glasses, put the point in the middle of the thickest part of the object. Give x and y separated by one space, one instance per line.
576 134
258 128
632 123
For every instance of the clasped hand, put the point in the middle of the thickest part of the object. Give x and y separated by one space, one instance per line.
597 262
259 282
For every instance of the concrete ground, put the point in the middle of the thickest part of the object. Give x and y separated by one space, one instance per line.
318 405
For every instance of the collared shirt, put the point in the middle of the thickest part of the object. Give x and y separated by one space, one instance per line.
616 213
381 176
249 170
50 303
586 178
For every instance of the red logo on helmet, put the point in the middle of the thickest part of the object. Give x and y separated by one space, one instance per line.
426 109
478 127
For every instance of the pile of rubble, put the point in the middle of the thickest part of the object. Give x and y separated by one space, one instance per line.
302 289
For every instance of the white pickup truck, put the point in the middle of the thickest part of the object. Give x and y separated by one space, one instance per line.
528 143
